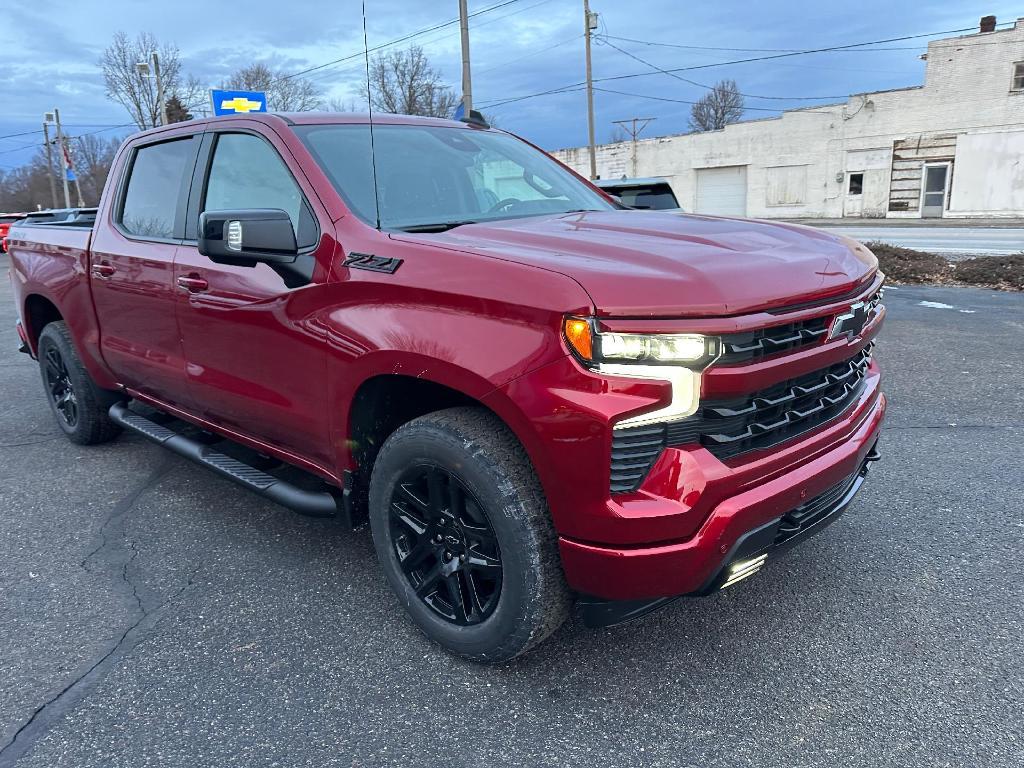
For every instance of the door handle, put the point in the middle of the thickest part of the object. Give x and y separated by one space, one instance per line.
103 269
192 283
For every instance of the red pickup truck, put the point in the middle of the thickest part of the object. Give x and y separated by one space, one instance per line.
536 397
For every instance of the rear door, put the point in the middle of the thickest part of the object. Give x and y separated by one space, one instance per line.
132 265
255 353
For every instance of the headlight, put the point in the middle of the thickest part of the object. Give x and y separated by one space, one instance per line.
687 349
677 358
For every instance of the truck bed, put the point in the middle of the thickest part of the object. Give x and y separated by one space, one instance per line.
53 261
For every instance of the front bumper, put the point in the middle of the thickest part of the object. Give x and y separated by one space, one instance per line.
736 532
751 552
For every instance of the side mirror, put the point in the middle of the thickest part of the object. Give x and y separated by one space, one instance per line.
247 237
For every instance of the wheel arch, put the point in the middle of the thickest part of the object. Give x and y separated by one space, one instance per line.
383 402
39 311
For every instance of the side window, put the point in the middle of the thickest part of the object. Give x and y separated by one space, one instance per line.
247 172
154 188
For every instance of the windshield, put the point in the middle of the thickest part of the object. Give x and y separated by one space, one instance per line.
437 177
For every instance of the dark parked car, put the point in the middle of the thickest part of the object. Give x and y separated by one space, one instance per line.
652 194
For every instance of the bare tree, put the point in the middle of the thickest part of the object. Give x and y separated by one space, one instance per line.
93 157
137 93
284 93
27 187
617 135
335 104
717 108
405 83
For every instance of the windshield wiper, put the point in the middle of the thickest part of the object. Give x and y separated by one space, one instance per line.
440 226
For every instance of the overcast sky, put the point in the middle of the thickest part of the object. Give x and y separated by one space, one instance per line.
49 53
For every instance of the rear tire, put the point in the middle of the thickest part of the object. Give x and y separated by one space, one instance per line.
78 405
463 534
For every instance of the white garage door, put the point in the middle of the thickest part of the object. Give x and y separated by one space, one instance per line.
722 191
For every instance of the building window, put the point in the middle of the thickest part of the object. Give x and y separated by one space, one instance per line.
1018 77
856 186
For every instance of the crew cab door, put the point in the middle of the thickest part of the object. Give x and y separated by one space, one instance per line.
132 265
254 352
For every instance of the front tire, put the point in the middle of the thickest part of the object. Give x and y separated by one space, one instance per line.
78 405
463 534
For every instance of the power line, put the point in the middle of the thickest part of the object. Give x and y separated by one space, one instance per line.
789 54
711 87
684 101
505 63
19 148
733 50
25 133
800 50
357 66
397 40
564 89
576 86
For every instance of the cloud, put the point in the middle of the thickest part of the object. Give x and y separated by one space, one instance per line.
50 52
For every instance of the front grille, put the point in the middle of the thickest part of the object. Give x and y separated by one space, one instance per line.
808 513
730 428
754 345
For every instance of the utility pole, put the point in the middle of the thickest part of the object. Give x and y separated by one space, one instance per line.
151 68
160 89
467 81
634 126
49 158
590 24
63 158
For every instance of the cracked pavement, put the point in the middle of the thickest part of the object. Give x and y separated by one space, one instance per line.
154 614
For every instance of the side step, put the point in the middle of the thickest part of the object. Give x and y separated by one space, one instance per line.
312 503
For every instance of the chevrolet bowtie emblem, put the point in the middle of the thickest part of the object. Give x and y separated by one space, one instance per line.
851 323
240 104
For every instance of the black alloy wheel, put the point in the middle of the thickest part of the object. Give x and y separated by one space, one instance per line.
62 391
445 545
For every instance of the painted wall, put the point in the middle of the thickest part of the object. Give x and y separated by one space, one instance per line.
988 174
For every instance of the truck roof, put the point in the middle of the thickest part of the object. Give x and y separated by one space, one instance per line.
282 119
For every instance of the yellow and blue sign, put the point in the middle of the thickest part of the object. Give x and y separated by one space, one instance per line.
238 102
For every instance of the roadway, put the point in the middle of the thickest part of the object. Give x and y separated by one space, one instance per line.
954 242
154 614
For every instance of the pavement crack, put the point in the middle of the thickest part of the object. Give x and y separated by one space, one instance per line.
118 552
123 507
46 714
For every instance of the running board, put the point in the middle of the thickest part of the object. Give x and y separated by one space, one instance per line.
312 503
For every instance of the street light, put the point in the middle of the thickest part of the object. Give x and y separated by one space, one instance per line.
146 71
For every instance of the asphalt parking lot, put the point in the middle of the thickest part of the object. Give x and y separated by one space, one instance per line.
153 614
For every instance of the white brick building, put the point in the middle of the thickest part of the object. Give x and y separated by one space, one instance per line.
961 135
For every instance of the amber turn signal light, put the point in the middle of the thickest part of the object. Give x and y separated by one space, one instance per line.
578 334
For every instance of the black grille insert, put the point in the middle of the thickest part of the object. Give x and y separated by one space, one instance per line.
753 345
808 513
730 428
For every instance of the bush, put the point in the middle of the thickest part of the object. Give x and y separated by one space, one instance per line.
1005 272
905 265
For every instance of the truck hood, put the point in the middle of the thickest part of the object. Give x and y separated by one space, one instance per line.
657 264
